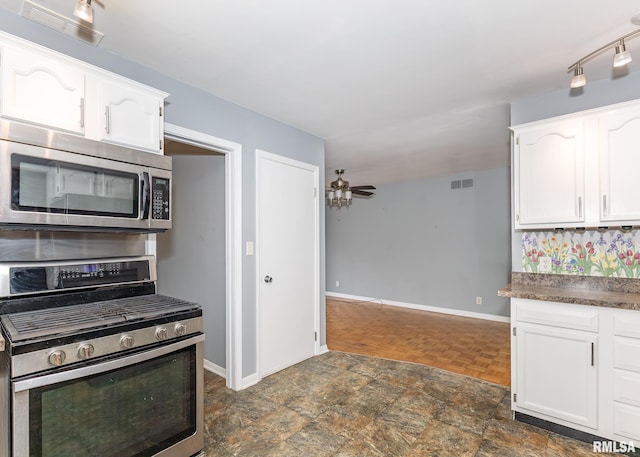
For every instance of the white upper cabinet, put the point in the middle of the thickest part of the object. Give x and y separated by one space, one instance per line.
619 135
578 170
549 174
42 90
130 116
43 87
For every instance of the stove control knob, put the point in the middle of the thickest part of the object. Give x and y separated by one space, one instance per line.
161 333
85 351
180 330
126 342
56 358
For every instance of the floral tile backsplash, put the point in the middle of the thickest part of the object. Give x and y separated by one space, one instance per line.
612 253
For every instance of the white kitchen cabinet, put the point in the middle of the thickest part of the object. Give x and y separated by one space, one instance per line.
577 366
619 137
557 374
42 90
130 116
549 174
556 370
578 170
43 87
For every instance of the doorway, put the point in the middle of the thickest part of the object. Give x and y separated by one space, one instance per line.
223 158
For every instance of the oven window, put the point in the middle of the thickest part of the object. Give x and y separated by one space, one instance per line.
59 187
133 411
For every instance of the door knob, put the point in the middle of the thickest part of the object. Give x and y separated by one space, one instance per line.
268 279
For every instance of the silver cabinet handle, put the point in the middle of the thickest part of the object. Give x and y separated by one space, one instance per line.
580 207
604 205
268 279
82 112
593 362
107 116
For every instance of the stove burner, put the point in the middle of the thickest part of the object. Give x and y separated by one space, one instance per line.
27 325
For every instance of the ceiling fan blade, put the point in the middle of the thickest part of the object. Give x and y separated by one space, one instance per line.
364 193
362 187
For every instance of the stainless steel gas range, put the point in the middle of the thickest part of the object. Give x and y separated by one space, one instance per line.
97 364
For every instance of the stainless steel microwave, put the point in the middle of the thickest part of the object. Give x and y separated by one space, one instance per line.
44 188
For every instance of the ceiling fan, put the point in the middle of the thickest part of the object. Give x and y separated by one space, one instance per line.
340 193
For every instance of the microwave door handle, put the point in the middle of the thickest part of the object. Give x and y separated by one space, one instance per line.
146 195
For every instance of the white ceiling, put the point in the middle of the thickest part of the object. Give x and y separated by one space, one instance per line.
399 90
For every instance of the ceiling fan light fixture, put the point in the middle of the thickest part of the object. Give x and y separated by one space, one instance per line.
84 11
340 193
578 79
622 56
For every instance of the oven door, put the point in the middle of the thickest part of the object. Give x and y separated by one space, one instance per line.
146 404
64 189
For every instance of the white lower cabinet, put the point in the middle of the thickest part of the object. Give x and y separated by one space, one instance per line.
556 373
577 366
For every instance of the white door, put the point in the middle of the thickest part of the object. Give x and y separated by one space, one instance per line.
288 261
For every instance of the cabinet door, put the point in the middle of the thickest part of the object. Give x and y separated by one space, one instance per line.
130 116
549 175
619 134
42 90
556 373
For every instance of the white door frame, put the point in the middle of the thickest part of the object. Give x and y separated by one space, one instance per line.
260 154
233 237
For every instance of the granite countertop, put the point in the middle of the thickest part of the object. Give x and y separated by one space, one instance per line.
1 343
619 293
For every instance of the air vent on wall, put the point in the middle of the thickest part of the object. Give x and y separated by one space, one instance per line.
56 21
462 184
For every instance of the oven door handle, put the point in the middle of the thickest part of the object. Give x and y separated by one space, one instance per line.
146 195
54 378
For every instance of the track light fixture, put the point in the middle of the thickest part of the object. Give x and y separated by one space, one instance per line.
84 11
578 79
620 58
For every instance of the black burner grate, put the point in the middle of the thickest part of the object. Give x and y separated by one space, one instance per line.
74 318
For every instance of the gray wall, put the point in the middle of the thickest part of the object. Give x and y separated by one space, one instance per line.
194 109
595 94
191 256
421 243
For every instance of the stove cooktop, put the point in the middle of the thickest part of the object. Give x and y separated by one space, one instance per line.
65 320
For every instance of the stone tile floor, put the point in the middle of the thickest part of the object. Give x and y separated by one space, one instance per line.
340 405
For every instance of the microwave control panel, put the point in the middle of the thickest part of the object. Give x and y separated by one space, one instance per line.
160 198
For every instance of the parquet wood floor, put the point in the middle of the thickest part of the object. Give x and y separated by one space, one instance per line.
474 347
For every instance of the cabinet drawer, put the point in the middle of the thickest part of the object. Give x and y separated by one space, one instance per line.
626 387
627 323
578 317
626 353
626 421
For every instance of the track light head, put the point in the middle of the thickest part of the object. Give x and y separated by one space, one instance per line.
84 11
622 56
578 79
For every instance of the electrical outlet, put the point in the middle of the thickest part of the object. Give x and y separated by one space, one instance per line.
544 265
478 300
337 283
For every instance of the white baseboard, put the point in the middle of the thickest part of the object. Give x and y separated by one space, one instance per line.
323 349
249 381
213 368
433 309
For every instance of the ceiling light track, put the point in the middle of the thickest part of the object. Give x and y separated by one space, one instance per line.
620 58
